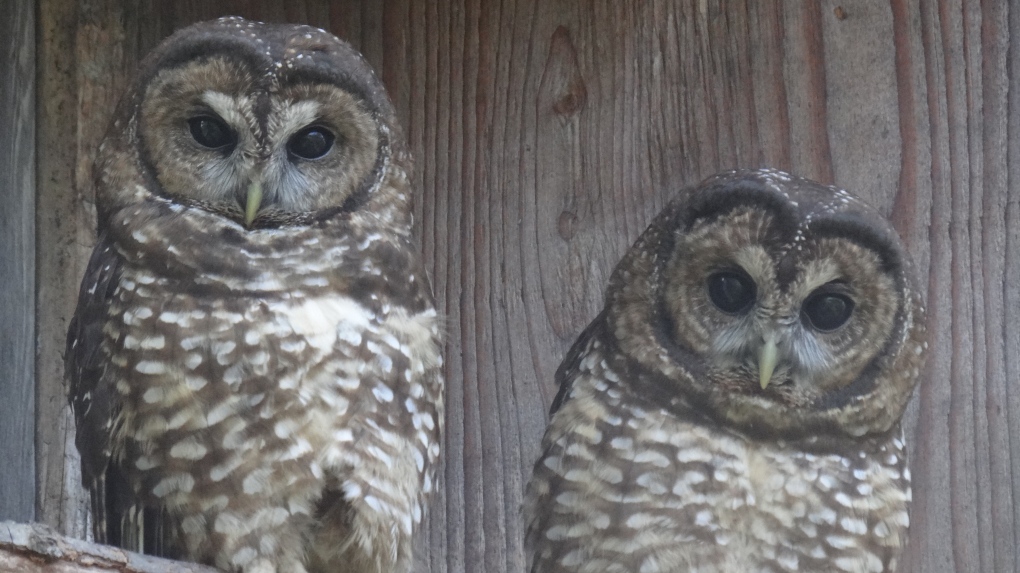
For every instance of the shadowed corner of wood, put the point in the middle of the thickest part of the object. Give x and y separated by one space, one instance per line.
38 548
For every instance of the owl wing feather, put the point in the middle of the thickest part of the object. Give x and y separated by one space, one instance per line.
568 369
117 516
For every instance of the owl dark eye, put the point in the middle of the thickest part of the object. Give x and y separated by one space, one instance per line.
828 311
732 292
311 142
211 132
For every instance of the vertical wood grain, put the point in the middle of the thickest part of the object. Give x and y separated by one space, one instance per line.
17 260
64 236
548 134
1009 405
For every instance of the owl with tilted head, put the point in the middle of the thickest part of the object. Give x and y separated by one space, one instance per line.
736 406
254 363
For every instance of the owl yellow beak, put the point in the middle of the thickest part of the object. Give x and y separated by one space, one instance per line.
252 202
767 357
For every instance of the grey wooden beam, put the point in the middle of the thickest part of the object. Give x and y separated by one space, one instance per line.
37 548
17 260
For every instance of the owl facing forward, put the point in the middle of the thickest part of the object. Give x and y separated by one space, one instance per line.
736 406
254 361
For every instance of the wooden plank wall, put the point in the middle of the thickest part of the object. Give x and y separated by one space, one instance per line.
17 260
547 135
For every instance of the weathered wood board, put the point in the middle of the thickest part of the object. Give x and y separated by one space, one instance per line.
17 261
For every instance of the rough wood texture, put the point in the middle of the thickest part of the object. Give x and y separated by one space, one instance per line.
36 548
65 234
17 260
548 133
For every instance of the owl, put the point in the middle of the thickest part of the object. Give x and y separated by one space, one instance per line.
254 362
736 406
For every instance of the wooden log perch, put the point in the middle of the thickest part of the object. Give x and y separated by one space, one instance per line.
38 548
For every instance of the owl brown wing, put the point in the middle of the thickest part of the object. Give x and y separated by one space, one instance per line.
568 369
84 363
95 402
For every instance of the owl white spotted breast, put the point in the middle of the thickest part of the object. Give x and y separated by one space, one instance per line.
254 362
736 406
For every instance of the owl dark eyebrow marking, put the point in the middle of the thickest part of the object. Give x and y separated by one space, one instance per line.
312 75
860 230
231 49
715 202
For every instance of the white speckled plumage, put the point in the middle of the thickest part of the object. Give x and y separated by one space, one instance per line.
666 454
246 393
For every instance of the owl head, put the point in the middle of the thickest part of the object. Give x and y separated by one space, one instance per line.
264 125
774 304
